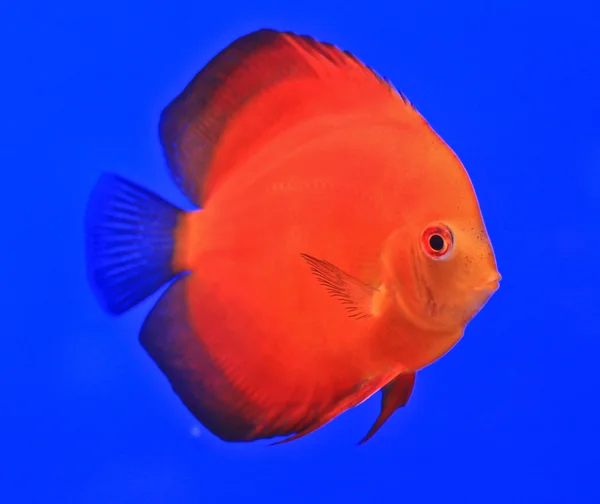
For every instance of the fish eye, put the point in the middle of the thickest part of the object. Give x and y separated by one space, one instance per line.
437 241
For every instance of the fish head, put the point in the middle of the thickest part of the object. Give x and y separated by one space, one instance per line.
442 272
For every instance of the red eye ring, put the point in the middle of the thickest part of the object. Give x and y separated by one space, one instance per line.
437 241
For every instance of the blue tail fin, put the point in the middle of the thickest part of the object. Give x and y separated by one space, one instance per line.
129 242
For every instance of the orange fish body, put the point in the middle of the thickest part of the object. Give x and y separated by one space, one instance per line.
339 249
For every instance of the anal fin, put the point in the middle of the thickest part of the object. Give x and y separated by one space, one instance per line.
171 342
360 394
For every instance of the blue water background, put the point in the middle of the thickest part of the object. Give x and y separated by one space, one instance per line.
509 416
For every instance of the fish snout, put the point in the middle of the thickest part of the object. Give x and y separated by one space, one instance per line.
492 283
481 294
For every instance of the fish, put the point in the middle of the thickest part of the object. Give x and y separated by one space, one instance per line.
335 246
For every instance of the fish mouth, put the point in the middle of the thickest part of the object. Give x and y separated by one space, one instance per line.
483 293
492 284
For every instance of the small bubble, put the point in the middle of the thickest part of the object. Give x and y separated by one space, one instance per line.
195 431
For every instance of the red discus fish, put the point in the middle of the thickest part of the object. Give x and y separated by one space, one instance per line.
338 246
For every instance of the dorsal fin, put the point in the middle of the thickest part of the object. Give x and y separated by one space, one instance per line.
263 80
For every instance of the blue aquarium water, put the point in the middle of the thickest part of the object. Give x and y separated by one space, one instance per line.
508 416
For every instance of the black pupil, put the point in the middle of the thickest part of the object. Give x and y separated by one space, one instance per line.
436 242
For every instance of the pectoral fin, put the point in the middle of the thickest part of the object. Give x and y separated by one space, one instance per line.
394 395
356 296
